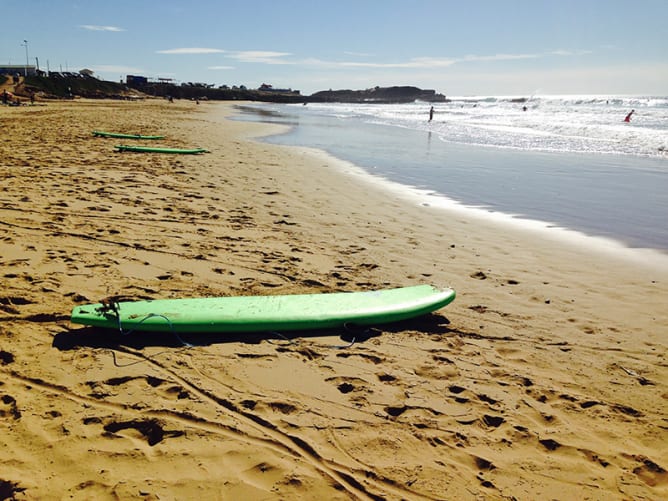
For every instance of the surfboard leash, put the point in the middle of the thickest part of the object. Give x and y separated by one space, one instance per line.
111 305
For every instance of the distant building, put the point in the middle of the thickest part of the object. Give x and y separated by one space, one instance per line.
13 69
135 80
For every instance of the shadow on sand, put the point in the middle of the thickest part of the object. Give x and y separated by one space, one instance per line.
95 337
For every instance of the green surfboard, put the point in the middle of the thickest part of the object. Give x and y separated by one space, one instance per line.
118 135
150 149
266 313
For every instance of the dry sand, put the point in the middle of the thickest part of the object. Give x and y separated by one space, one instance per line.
545 379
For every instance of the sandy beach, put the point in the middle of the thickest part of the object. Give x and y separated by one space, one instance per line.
545 379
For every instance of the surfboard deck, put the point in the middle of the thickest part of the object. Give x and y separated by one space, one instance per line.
266 313
150 149
118 135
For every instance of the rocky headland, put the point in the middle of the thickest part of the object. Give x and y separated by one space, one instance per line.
381 95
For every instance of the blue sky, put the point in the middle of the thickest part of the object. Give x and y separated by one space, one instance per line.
472 47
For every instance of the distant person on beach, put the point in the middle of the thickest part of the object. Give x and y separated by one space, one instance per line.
628 117
431 114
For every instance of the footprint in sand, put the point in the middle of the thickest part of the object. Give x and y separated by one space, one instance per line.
549 444
457 390
395 411
151 429
493 421
6 357
282 407
348 384
650 472
8 489
371 358
9 304
170 391
9 407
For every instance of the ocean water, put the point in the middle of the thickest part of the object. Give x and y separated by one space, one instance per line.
566 161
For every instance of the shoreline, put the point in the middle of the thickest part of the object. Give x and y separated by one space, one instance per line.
544 378
443 206
604 195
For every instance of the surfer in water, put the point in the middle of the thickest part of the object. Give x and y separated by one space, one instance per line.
628 117
431 114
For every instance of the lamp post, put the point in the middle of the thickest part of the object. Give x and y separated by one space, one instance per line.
25 44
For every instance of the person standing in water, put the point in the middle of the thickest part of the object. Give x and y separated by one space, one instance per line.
628 117
431 114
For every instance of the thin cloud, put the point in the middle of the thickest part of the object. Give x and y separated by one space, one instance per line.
498 57
568 53
358 54
283 58
431 62
418 62
191 50
443 62
94 27
261 56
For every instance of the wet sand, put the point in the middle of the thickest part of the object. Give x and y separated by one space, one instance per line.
615 196
545 379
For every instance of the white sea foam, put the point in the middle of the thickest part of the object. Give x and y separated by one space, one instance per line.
577 124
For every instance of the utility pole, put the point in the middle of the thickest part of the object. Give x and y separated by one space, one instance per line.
25 43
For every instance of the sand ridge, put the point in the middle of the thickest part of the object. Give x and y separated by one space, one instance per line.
544 379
